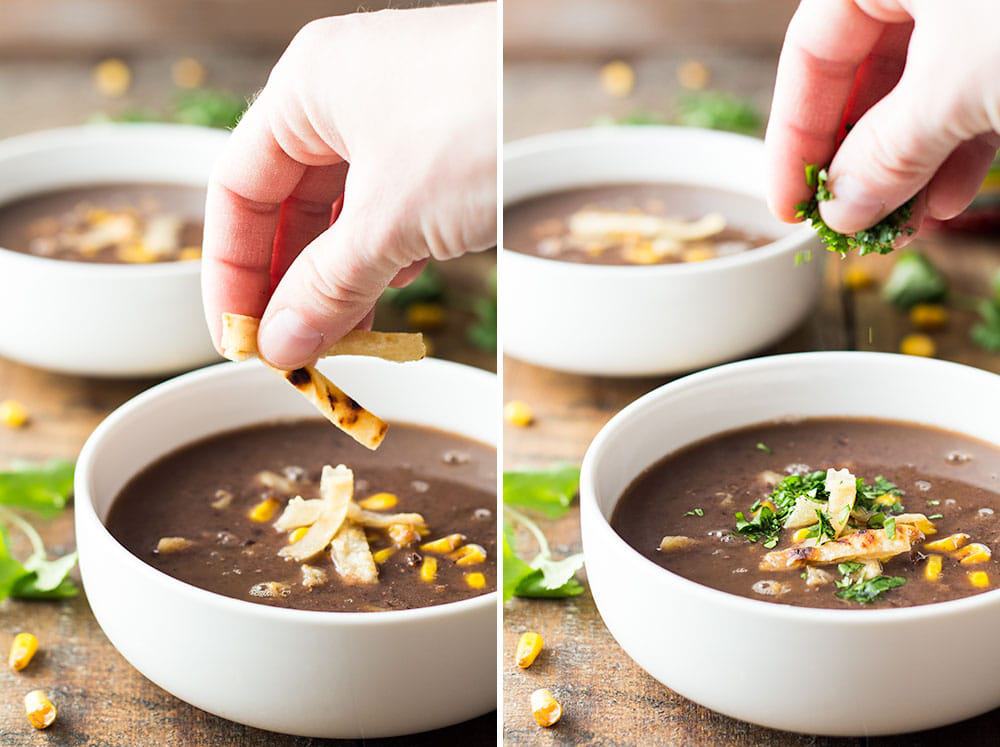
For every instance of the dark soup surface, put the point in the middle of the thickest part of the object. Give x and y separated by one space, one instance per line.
837 513
637 224
109 223
243 513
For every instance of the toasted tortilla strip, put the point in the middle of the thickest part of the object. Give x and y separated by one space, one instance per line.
239 336
335 488
601 223
352 557
378 520
843 489
299 513
867 544
804 513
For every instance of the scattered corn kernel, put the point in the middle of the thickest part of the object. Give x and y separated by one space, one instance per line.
444 544
545 708
402 534
947 544
379 502
475 580
425 316
468 555
932 570
518 413
167 545
698 254
39 709
886 500
918 344
617 78
136 253
429 569
264 511
979 579
187 72
112 78
801 535
189 253
22 650
638 254
380 556
973 554
13 414
929 316
857 277
529 646
693 75
296 534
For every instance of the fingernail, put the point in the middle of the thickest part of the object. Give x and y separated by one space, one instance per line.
286 340
853 207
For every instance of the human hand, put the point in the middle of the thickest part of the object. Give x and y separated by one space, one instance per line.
915 82
385 124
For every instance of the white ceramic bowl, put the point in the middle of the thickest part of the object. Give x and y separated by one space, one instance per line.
658 319
104 319
836 672
319 674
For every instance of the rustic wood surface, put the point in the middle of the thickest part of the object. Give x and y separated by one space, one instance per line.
607 699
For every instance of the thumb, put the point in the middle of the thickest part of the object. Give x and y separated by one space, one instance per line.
329 288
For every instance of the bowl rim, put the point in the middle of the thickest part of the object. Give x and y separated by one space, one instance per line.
797 239
85 512
745 605
41 140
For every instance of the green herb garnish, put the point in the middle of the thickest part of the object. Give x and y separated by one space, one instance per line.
934 502
635 119
550 492
914 279
986 332
427 287
695 512
717 110
866 592
36 577
543 577
936 516
822 530
761 446
890 527
42 488
483 331
205 107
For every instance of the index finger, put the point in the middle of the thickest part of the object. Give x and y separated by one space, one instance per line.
825 44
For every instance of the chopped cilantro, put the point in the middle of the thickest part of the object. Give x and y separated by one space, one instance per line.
717 110
823 530
890 527
695 512
866 592
936 516
761 446
934 502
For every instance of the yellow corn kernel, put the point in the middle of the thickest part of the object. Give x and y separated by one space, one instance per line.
929 316
264 511
189 253
947 544
187 72
764 504
917 344
475 580
518 413
932 570
886 500
469 555
429 569
425 315
380 556
693 75
12 413
379 502
39 709
529 646
857 277
22 650
112 78
698 254
800 535
444 544
640 253
973 554
617 79
979 579
545 708
136 253
296 534
402 534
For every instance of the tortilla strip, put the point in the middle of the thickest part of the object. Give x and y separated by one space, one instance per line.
352 558
601 223
336 488
301 513
376 520
866 544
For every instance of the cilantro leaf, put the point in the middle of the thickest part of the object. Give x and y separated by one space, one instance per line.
695 512
866 592
543 577
717 110
914 279
761 446
823 529
43 488
550 492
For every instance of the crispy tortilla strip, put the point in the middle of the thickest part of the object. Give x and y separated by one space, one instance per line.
378 520
275 482
335 488
301 513
352 558
596 224
804 513
866 544
239 336
843 489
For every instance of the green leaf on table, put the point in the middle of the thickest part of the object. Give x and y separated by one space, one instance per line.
515 570
209 108
914 279
42 488
543 577
986 332
549 492
49 574
27 588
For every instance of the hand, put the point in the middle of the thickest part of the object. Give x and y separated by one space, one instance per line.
295 235
917 79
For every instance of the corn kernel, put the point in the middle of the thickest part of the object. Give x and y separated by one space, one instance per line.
444 544
973 554
429 569
22 650
617 79
264 511
39 709
425 316
932 570
189 253
528 647
929 316
136 253
475 580
402 534
979 579
379 502
801 535
698 254
296 534
917 344
693 75
187 72
112 78
641 253
518 413
857 277
468 555
886 500
380 556
947 544
545 708
13 414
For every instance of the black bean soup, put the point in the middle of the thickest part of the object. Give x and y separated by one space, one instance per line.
637 224
107 223
836 513
425 503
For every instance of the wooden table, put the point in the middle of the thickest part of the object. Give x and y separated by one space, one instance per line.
607 699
